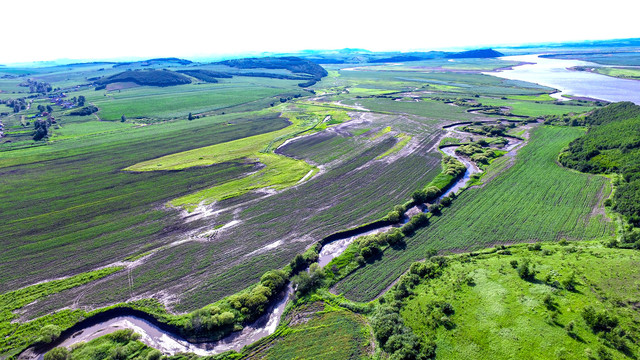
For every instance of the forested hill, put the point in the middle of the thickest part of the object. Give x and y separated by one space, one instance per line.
291 63
479 53
147 77
612 145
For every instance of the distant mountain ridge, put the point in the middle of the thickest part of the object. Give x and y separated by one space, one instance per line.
480 53
291 63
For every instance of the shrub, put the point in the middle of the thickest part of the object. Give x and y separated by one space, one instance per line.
88 110
446 201
569 283
395 237
393 216
419 196
397 339
58 353
435 209
526 271
49 333
124 336
534 247
305 282
154 355
599 321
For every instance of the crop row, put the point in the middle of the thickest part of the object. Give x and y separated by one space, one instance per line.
535 200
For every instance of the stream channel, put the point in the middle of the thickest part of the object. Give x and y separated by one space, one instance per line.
160 337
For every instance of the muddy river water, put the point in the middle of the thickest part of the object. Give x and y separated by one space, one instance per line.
171 343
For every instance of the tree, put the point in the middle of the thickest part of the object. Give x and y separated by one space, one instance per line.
123 118
298 263
431 192
526 271
81 100
446 201
41 108
190 116
307 281
49 333
419 196
41 131
274 279
49 109
393 216
435 209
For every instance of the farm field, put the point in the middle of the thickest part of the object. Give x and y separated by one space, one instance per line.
179 101
83 208
346 335
175 192
624 73
534 200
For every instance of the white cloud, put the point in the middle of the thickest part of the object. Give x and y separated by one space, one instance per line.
44 30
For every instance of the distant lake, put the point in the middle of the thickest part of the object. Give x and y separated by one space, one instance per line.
553 73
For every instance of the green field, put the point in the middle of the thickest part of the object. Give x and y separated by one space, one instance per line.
179 101
201 188
533 108
498 315
534 200
624 73
83 207
345 335
14 335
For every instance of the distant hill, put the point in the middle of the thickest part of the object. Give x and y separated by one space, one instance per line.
291 63
157 61
147 77
399 58
480 53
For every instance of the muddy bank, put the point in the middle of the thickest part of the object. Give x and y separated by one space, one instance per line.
161 336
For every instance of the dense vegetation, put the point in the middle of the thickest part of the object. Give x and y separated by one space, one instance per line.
480 53
291 63
612 145
269 172
147 77
578 302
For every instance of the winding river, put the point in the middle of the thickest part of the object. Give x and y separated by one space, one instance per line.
168 342
555 73
548 72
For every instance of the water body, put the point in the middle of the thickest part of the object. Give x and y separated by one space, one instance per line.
554 73
171 343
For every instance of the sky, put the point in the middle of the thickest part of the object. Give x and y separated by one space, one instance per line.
43 30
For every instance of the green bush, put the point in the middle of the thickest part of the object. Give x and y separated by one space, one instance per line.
599 321
526 271
49 333
58 353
